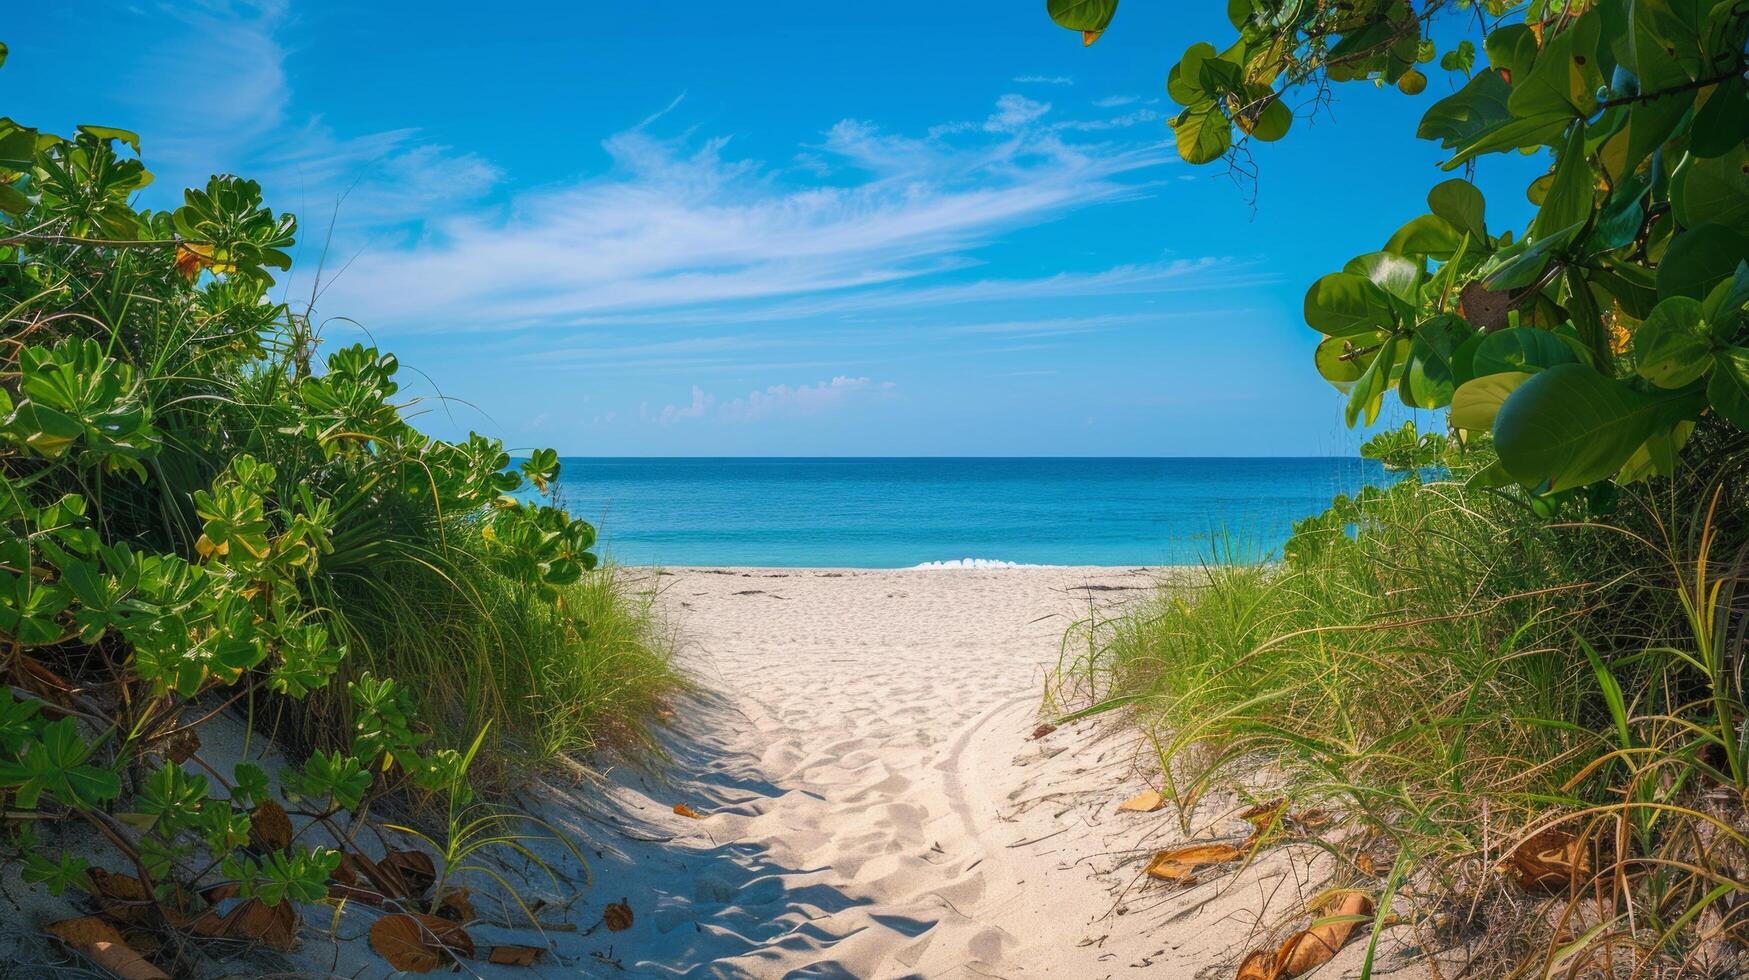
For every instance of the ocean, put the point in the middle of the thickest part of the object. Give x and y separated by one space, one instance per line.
900 513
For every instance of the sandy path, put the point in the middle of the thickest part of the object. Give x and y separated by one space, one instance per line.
874 806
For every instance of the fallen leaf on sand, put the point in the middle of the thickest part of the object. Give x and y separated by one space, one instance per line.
618 916
121 897
1043 730
99 942
269 827
1147 801
251 921
1365 864
1548 861
419 943
514 955
1309 949
687 811
1182 863
415 869
458 905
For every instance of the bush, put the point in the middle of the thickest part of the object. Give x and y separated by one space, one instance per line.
195 515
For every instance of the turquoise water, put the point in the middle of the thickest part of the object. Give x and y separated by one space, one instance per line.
896 513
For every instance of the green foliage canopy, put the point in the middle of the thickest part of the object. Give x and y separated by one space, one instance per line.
1588 344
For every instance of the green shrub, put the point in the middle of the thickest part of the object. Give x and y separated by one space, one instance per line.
194 515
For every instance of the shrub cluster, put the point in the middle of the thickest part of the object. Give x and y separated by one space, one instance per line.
195 516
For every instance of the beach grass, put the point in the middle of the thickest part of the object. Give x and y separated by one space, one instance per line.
546 679
1454 673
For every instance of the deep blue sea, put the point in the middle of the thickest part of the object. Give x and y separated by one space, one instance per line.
897 513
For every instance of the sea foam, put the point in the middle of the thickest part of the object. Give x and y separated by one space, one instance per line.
975 563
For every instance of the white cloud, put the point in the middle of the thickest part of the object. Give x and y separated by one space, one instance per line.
1013 113
777 400
1115 101
701 403
802 400
680 222
1043 80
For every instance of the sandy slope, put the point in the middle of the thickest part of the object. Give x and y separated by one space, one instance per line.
875 806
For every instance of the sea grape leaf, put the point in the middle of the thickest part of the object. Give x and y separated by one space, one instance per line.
1673 347
1476 403
1569 426
1343 304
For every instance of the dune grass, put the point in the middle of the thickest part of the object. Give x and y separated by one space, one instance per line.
547 679
1453 672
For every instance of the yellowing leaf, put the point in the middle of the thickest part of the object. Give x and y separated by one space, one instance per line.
687 812
1181 864
1147 801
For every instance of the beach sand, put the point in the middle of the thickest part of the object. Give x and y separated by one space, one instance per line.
874 804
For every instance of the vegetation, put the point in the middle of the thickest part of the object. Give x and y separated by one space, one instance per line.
196 517
1523 680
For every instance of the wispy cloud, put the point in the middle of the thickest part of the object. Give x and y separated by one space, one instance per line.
1116 101
1043 80
681 222
775 400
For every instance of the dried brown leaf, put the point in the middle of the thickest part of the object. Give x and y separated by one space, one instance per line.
414 871
618 916
269 827
121 897
458 905
1548 861
1043 730
687 812
419 943
1309 949
99 942
1181 864
514 955
1147 801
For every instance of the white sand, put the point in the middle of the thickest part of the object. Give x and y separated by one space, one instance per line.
875 806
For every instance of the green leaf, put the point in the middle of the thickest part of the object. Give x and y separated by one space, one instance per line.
1429 379
1429 235
1477 108
1333 367
1369 392
1082 15
1713 190
1728 388
1477 402
1565 76
1511 48
1699 258
1569 426
1569 198
1343 304
1461 204
1521 349
1203 135
1673 347
1722 121
1396 275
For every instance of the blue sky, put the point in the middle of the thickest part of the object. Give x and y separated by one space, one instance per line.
672 228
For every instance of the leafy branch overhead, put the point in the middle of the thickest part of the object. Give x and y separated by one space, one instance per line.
1588 344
